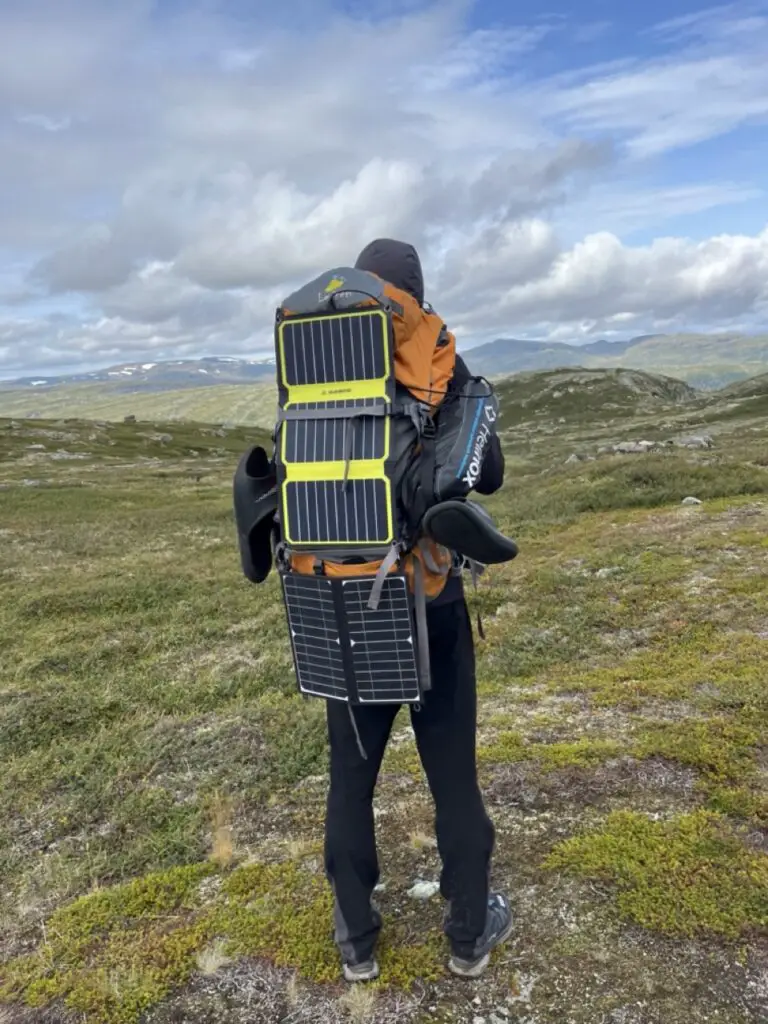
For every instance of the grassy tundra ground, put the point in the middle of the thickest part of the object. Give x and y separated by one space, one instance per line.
162 785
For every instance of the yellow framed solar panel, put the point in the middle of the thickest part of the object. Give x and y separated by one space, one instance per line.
336 387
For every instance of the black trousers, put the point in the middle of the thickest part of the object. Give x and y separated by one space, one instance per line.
445 730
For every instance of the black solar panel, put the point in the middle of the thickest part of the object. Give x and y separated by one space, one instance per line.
383 643
322 350
315 638
324 512
336 388
325 440
343 650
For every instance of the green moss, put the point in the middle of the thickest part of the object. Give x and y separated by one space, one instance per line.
144 899
511 747
403 757
545 720
506 748
718 747
135 970
695 656
740 802
112 954
283 913
686 876
279 912
523 697
580 753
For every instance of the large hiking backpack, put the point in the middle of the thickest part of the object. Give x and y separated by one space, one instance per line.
369 438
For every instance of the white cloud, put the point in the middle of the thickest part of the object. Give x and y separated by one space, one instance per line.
714 82
48 124
620 210
165 177
602 282
517 281
671 104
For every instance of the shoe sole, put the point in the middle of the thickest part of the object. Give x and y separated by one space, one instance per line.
353 976
475 970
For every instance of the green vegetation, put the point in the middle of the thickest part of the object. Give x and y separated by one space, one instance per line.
163 784
720 749
511 747
252 404
568 393
689 875
114 953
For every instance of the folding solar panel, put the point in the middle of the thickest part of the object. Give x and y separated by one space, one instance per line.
315 636
318 433
383 642
320 513
331 348
344 651
336 384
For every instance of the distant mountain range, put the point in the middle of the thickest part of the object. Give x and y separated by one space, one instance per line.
512 355
160 376
701 360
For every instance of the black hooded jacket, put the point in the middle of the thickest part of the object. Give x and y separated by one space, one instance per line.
399 264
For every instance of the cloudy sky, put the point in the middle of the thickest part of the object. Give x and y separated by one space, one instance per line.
170 168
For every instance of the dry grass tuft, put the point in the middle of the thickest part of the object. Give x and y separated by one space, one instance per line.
293 992
211 959
421 841
223 851
359 1003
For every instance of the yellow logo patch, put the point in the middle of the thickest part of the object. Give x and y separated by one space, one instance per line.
332 286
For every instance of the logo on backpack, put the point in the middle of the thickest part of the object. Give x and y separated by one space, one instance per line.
482 439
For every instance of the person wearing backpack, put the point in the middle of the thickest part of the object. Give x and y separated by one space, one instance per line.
382 434
477 920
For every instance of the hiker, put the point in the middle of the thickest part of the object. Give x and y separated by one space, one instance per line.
445 729
382 434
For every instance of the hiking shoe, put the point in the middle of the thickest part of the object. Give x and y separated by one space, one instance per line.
368 970
498 928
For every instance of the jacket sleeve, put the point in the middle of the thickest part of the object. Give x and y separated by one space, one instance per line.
492 472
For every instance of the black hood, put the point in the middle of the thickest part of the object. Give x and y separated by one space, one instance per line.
395 262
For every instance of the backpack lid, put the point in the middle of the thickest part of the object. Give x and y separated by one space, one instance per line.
334 290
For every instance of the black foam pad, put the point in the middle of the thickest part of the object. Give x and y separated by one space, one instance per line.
468 529
255 501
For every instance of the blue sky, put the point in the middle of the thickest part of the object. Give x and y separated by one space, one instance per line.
169 170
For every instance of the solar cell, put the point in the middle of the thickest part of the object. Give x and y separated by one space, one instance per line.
329 349
325 512
343 650
315 638
382 641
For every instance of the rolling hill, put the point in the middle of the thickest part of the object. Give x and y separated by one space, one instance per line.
603 394
568 391
703 360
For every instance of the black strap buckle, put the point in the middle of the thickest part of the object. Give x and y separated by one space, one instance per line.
428 428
